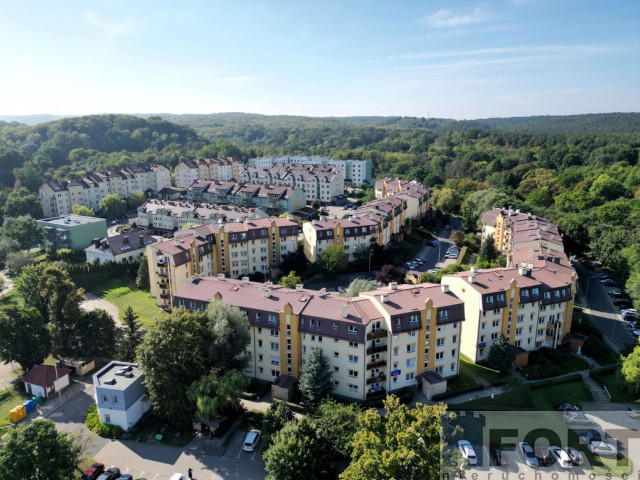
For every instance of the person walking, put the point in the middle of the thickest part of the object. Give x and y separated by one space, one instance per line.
190 473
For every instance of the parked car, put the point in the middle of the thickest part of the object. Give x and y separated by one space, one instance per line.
177 476
578 418
528 454
607 282
125 476
590 436
635 333
432 271
433 243
112 474
93 471
616 293
622 302
567 407
251 440
603 449
545 459
633 412
631 317
575 456
467 452
495 451
628 310
561 457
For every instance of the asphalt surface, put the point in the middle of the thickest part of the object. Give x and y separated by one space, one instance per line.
605 314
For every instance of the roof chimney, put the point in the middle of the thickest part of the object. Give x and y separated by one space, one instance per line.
267 292
523 271
345 310
445 288
472 279
176 242
299 287
221 276
393 285
384 298
474 269
245 280
322 292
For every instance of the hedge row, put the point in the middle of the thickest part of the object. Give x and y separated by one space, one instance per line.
93 423
555 381
459 391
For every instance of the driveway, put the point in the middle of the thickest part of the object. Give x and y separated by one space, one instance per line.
93 302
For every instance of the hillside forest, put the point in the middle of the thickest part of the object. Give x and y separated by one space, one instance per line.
581 172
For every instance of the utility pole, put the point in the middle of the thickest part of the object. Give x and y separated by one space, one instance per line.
370 252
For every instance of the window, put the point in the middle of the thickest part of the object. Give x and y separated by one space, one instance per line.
489 300
495 323
408 376
304 350
443 314
336 369
335 325
353 373
496 311
352 387
494 336
439 355
412 333
411 362
547 295
439 369
275 373
275 360
518 331
273 332
500 297
411 348
105 399
353 358
520 318
398 322
518 342
352 329
484 324
336 354
439 342
524 293
453 352
107 418
413 319
535 292
259 357
273 318
454 339
353 344
395 351
259 343
453 366
274 346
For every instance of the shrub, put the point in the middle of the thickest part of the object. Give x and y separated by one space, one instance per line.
93 423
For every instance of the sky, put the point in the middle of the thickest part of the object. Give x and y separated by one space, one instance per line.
431 58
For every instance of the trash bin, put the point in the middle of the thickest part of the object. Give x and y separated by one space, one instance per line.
30 406
38 399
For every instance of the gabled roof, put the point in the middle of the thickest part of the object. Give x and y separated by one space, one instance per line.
45 375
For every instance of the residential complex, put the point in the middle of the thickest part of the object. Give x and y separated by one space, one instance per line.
356 172
381 341
324 183
58 196
353 234
165 216
222 169
72 231
233 249
273 199
125 247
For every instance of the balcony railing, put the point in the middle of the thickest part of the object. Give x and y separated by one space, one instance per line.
163 275
376 349
163 263
164 285
165 296
378 333
378 378
376 364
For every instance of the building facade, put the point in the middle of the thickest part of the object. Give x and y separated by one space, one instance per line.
354 235
222 169
356 172
72 231
125 247
381 341
59 196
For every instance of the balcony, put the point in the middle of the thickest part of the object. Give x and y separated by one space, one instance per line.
164 285
163 264
376 349
163 275
378 378
165 296
376 364
378 392
378 333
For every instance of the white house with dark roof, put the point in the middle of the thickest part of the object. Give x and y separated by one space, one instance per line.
125 247
120 394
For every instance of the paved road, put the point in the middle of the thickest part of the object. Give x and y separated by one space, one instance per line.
600 305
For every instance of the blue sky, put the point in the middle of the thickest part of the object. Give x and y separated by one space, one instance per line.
449 59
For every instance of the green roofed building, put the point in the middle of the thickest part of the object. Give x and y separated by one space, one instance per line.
72 231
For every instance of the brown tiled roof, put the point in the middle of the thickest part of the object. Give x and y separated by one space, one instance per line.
45 375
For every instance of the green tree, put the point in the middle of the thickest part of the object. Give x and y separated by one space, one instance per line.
132 335
29 176
405 443
7 245
16 261
216 394
488 249
629 371
540 197
27 286
607 245
277 416
136 199
24 230
39 452
333 260
290 280
142 278
24 337
446 200
94 334
607 188
82 210
501 354
173 356
315 379
229 333
294 261
296 451
359 285
22 202
337 423
112 206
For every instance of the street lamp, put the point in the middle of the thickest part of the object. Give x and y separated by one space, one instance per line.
370 252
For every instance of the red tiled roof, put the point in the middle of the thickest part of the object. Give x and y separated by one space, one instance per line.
45 375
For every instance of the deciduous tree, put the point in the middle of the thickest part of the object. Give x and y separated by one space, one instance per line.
229 333
216 393
82 210
290 280
22 202
389 273
24 230
333 260
277 416
24 337
94 334
630 371
336 423
359 285
112 206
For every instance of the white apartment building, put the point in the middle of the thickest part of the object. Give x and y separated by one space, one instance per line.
356 172
352 234
223 169
58 196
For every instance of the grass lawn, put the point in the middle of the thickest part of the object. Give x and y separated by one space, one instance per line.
618 394
547 397
10 398
469 373
122 294
545 363
151 425
504 401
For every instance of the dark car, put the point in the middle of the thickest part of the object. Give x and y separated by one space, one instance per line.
92 472
495 451
567 407
590 436
112 474
543 454
607 282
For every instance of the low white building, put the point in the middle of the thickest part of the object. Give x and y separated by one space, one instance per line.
126 247
120 394
45 380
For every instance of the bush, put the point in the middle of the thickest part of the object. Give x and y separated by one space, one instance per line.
93 423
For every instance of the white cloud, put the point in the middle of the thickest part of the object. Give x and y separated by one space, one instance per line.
449 19
109 27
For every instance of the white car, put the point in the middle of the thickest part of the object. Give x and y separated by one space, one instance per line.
578 418
603 449
561 457
251 440
467 452
432 271
528 454
575 456
633 412
632 311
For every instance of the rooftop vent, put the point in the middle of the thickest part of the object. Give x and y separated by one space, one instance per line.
474 269
445 288
523 271
345 310
221 276
472 279
393 286
245 280
299 287
384 298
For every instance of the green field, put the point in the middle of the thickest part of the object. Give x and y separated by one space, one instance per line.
618 394
469 376
10 398
122 294
547 397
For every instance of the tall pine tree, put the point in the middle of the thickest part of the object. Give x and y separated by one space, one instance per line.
132 336
315 379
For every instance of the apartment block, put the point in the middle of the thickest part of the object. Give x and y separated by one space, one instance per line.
165 216
320 182
356 172
531 304
273 199
381 341
58 196
352 234
232 249
222 169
